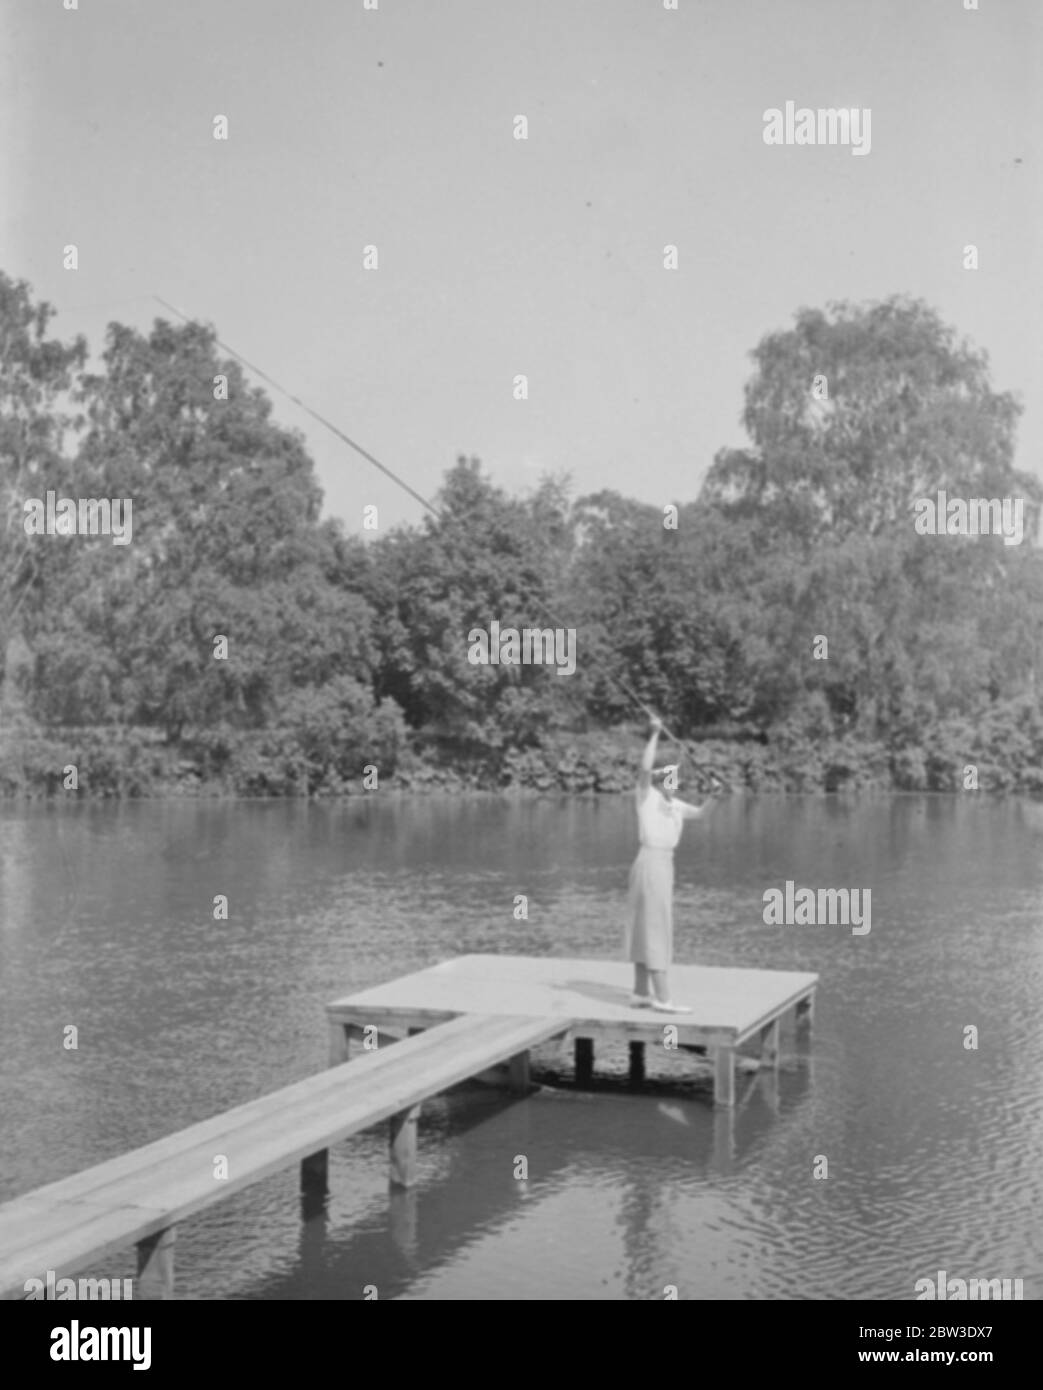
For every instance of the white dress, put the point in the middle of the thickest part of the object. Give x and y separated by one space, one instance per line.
649 937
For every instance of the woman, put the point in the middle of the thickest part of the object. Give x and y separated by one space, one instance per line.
650 932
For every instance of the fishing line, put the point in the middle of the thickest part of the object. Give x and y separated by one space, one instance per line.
439 516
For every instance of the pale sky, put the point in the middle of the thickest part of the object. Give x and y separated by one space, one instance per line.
393 127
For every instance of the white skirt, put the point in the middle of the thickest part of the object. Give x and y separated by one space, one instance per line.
649 936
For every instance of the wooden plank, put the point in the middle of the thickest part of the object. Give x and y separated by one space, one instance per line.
688 1035
591 991
68 1238
114 1204
393 1018
525 1001
382 1081
778 1008
642 1025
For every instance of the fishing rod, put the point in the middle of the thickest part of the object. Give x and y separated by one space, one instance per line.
439 516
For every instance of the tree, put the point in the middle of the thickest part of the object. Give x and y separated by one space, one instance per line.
908 409
900 410
487 557
226 542
36 375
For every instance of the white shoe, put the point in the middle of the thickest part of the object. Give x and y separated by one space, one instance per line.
666 1007
641 1001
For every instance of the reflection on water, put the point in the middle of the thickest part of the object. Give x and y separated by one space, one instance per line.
106 923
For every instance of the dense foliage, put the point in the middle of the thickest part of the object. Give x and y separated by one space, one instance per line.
344 655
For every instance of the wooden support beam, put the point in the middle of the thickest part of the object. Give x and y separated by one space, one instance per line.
73 1223
156 1265
584 1054
314 1233
637 1063
315 1173
724 1076
805 1011
412 1033
403 1146
768 1084
770 1044
340 1044
518 1074
346 1038
724 1140
404 1222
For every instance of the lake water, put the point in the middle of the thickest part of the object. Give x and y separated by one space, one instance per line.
933 1150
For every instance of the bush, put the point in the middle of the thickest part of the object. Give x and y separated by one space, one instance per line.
109 762
332 732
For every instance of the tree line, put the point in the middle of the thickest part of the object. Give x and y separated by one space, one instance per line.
349 652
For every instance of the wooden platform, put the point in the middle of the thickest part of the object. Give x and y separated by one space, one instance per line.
139 1196
590 998
471 1014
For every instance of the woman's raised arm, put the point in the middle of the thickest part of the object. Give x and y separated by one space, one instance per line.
644 776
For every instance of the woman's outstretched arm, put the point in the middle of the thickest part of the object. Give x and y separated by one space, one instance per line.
644 776
690 812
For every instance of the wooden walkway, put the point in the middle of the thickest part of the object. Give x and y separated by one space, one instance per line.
591 999
138 1197
471 1015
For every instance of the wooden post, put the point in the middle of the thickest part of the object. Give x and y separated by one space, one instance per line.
411 1033
724 1140
403 1146
403 1223
724 1076
637 1063
314 1232
584 1061
518 1076
156 1264
768 1084
770 1044
340 1043
315 1174
805 1012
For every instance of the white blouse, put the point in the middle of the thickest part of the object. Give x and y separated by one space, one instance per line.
659 821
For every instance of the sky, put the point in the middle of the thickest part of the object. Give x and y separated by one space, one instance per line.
394 127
